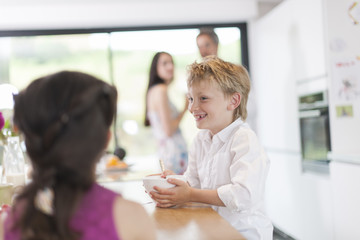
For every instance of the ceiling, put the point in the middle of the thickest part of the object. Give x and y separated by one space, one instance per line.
68 14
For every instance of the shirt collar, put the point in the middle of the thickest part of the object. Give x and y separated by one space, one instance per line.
224 134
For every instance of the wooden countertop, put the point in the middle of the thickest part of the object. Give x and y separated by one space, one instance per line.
189 221
192 221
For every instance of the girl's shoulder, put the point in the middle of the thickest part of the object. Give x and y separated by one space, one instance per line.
129 217
159 88
158 91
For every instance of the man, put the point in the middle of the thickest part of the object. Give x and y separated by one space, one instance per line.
207 42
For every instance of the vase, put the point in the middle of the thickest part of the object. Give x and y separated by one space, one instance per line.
1 153
14 162
1 162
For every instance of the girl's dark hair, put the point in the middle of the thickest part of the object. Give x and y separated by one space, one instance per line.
154 79
65 118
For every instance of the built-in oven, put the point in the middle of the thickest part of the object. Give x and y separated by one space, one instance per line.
314 131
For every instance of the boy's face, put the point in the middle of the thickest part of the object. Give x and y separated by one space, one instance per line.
209 106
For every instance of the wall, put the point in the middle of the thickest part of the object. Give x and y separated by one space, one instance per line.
43 14
287 56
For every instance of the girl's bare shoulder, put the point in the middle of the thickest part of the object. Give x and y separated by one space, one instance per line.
159 88
157 95
130 217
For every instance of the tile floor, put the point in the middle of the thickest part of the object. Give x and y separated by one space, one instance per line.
279 235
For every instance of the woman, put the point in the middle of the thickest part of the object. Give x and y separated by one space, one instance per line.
65 119
162 115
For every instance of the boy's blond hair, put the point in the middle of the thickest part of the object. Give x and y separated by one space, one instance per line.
231 78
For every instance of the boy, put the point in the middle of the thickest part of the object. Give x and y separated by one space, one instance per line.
227 166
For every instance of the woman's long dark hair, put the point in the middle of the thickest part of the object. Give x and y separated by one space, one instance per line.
65 118
154 79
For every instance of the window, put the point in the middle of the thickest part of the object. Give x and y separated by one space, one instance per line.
124 58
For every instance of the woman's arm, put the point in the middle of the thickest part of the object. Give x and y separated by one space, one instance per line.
159 101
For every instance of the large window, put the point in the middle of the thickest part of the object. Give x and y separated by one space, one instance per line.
35 56
121 57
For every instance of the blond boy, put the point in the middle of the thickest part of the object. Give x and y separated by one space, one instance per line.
227 165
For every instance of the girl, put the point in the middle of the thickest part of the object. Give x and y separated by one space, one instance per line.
162 115
65 119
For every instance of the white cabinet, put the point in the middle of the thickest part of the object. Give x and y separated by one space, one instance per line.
286 47
345 181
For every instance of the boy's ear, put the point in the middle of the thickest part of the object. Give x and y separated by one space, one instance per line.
235 100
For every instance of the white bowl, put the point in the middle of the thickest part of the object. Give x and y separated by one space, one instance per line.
151 181
180 177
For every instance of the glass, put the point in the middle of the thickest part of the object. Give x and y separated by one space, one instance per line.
36 56
127 64
315 138
132 55
14 162
6 194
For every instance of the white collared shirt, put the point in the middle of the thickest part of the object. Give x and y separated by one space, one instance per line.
234 163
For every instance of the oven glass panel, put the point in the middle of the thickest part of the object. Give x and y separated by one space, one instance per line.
315 138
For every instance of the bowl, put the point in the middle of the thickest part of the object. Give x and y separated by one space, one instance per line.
156 180
180 177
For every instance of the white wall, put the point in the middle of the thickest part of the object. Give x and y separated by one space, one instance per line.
287 51
44 14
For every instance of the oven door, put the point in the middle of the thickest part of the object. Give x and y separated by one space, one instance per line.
315 138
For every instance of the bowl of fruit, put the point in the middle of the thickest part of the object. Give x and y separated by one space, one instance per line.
114 163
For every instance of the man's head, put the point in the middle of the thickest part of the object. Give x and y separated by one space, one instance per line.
207 42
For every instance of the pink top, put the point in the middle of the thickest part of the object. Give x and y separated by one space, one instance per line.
94 219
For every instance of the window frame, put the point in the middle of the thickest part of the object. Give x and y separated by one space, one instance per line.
39 32
52 32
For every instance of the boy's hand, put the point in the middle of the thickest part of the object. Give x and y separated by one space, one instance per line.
168 197
167 172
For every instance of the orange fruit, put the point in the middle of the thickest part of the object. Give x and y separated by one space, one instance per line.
114 161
